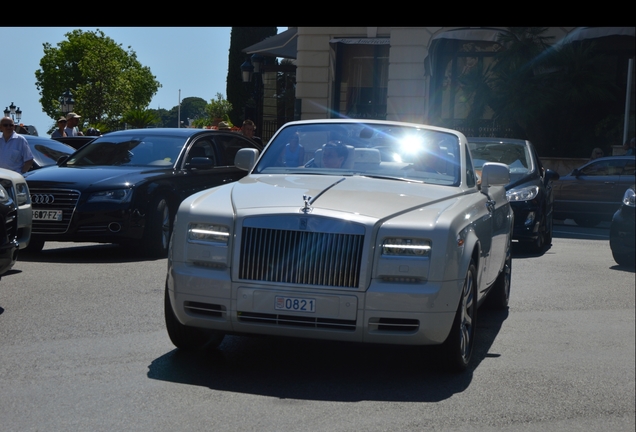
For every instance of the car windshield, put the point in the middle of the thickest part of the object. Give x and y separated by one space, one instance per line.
50 151
130 150
515 155
380 150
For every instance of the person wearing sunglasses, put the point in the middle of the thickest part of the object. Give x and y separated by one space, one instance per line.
15 153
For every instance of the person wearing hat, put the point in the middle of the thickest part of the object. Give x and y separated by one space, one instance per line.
59 132
223 126
72 120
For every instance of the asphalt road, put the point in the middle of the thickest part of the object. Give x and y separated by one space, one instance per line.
83 348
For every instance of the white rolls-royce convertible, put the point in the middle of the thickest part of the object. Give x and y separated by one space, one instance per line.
349 230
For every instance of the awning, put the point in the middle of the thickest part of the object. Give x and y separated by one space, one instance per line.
362 41
471 34
582 33
481 34
280 45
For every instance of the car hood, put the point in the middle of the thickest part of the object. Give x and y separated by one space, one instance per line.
376 198
82 178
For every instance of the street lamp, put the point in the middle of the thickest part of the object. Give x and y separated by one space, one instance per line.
66 102
15 114
251 71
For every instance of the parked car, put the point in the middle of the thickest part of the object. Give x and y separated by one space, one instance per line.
8 230
76 142
592 193
400 251
622 230
46 151
530 188
125 186
17 188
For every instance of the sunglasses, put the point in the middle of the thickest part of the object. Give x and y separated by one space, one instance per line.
6 125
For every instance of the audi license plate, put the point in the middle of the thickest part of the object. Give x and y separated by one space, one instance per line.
295 304
48 215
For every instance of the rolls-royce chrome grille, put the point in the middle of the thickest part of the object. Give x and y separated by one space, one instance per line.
301 257
53 199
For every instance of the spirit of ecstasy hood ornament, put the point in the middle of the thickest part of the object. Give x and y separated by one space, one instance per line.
307 207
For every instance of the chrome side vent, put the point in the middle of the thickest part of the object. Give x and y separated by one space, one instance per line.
205 309
394 325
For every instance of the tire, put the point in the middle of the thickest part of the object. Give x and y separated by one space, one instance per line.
548 230
625 259
158 229
499 296
536 246
188 338
34 246
589 222
458 347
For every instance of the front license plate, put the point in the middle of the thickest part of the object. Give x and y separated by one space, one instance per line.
49 215
295 304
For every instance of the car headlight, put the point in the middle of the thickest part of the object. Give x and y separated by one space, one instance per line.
406 247
210 233
22 193
4 195
526 193
629 199
117 195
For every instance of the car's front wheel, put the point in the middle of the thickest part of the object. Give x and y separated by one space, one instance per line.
158 228
188 338
624 259
34 246
458 347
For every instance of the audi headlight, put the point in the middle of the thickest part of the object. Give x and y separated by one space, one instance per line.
4 195
629 199
523 193
209 233
22 193
406 247
117 195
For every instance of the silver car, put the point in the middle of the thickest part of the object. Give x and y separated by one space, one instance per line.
379 234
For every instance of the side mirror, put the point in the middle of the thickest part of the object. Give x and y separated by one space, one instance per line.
494 174
246 158
551 175
62 159
200 163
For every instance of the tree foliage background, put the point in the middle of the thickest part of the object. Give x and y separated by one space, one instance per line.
561 97
239 93
105 80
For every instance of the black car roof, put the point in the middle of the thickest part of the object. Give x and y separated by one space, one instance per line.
184 132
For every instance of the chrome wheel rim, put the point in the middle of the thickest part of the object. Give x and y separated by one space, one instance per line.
466 319
165 227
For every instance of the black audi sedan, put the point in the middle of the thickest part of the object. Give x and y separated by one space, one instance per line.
529 191
46 151
8 231
125 187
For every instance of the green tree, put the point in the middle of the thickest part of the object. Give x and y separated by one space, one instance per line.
105 79
239 93
140 118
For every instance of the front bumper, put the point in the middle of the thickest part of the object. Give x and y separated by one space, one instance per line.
527 222
386 313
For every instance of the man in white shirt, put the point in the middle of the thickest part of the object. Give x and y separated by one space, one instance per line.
15 153
72 120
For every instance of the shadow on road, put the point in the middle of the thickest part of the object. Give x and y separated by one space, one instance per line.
323 370
79 253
